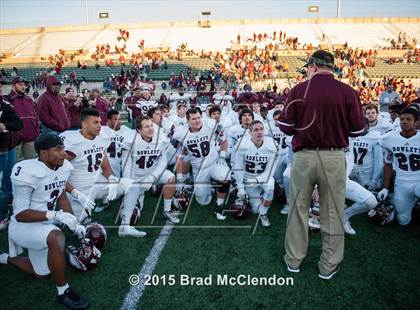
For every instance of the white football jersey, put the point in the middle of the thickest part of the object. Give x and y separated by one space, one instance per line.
236 134
404 154
114 149
89 155
201 146
141 158
145 105
47 184
280 137
349 158
178 121
251 162
225 102
365 148
174 98
384 125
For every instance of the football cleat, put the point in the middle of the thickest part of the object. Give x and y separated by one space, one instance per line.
264 220
314 224
97 233
102 207
383 213
71 300
219 213
348 229
285 209
170 216
129 231
84 255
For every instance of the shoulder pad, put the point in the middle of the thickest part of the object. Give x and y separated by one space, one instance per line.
28 171
71 137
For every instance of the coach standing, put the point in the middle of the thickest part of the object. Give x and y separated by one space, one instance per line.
320 113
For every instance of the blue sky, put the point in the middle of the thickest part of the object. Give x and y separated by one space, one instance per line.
34 13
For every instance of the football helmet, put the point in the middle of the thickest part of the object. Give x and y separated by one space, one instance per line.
83 255
182 199
97 233
240 209
383 213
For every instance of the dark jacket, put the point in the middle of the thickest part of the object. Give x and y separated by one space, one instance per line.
12 122
25 109
51 109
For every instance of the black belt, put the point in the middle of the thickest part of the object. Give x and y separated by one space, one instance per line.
330 149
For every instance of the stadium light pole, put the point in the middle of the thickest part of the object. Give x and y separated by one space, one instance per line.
87 13
338 8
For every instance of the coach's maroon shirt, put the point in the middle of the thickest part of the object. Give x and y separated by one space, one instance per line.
334 107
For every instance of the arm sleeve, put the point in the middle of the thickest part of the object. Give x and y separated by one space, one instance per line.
21 198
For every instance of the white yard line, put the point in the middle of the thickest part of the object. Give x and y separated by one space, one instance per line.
136 292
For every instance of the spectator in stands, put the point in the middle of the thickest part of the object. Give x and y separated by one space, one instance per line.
100 104
25 109
131 102
51 109
247 97
74 105
387 97
9 123
417 100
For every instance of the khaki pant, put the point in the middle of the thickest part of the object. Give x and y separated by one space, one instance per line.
27 150
330 176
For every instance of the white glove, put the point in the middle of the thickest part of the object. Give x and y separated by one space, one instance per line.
179 187
126 183
86 202
66 218
80 231
382 194
112 188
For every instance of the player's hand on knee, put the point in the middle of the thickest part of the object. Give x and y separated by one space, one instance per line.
383 194
113 183
65 218
84 199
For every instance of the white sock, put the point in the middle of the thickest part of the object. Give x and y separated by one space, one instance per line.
62 289
263 210
167 204
3 258
220 201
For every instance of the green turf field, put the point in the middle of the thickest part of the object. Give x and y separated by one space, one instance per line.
380 271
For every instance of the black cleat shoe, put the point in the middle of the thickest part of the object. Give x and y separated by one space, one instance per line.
72 301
